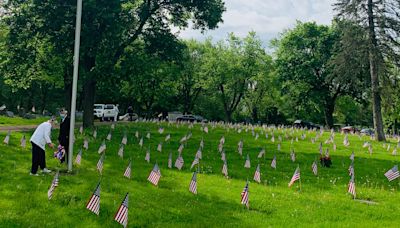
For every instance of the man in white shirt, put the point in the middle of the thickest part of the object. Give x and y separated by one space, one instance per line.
39 139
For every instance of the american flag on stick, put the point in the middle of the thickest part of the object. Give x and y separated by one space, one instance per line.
122 214
167 138
148 135
206 129
137 134
121 151
86 144
78 157
109 136
245 195
314 168
95 133
81 129
352 156
199 154
351 169
159 147
273 163
393 173
295 177
7 138
155 175
247 163
180 149
170 161
352 187
100 164
292 156
23 142
225 169
127 172
202 143
240 147
257 174
262 153
94 202
53 186
195 162
102 147
147 158
179 162
124 140
161 130
193 183
141 142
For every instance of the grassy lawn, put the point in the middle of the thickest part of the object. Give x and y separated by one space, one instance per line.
322 201
15 121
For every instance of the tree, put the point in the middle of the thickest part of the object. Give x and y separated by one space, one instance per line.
381 21
230 66
108 28
310 67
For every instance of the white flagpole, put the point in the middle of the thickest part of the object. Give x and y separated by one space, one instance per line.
75 81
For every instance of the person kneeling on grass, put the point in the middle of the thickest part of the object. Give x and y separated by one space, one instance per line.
39 139
325 161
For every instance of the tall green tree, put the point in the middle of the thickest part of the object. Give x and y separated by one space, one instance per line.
381 21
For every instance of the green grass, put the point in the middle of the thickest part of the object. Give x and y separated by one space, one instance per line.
15 121
322 201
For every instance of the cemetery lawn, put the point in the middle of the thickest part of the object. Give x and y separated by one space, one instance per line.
15 121
322 200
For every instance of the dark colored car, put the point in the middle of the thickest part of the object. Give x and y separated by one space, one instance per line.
186 118
304 124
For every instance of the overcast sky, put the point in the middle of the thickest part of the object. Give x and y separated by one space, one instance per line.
266 17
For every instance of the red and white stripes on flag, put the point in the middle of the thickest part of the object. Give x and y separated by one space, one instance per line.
78 157
245 195
195 162
225 169
100 164
351 169
122 214
193 184
127 172
292 156
273 163
393 173
199 154
94 202
179 162
247 163
295 177
240 147
257 174
86 144
314 168
352 156
53 186
155 175
352 187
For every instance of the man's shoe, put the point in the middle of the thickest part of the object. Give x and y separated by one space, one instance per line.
45 170
34 174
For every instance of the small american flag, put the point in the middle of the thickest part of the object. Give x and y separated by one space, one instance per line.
78 157
161 130
314 168
352 187
183 139
223 156
100 164
155 175
109 136
193 184
121 151
245 195
179 162
273 163
334 146
124 140
195 162
180 149
113 126
222 140
327 152
147 158
127 172
167 138
122 214
352 156
292 156
257 174
247 163
262 153
53 186
159 147
206 129
225 169
351 169
94 202
7 138
199 154
394 153
393 173
240 147
279 147
346 141
220 147
102 148
95 133
366 144
273 138
141 142
257 136
137 134
23 142
86 144
170 161
202 144
81 130
295 177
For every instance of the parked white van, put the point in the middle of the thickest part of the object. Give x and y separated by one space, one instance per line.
106 111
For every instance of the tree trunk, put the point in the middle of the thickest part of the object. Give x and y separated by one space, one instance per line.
376 95
89 89
329 109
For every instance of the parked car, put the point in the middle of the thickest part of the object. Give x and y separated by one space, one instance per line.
349 129
367 131
187 118
106 111
306 124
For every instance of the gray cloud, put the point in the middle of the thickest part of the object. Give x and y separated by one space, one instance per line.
267 18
